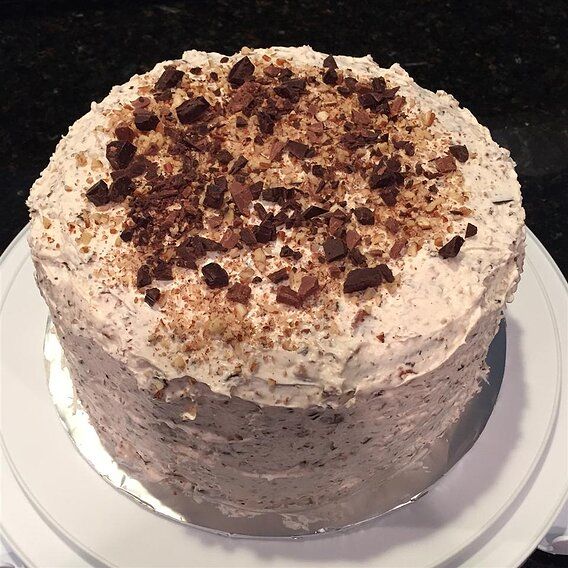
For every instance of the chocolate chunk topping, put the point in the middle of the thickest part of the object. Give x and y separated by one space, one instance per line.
386 273
119 153
238 164
357 257
215 275
163 271
287 252
241 72
214 196
247 236
330 77
334 249
451 248
120 188
144 276
265 232
241 196
224 156
308 286
397 248
241 121
460 153
278 194
352 238
239 293
291 89
360 279
364 215
285 295
124 133
392 225
313 211
152 296
279 275
297 149
145 120
470 231
98 194
445 165
169 79
329 62
192 110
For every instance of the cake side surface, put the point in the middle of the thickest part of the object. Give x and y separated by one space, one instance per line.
286 371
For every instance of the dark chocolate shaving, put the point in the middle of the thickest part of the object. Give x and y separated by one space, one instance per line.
215 275
451 248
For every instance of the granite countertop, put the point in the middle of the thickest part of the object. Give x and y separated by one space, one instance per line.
506 61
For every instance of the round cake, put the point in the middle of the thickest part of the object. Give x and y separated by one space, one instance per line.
275 275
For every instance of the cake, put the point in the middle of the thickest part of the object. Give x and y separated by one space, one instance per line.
276 275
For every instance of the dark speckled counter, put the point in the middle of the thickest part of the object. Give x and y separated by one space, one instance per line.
506 61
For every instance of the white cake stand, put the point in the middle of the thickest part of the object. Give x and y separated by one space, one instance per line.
491 509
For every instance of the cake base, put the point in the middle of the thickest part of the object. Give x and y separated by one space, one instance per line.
377 497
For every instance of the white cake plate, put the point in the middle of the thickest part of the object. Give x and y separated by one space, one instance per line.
491 509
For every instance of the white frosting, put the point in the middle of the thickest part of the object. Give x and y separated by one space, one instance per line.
429 323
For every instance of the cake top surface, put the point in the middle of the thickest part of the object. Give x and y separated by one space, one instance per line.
263 218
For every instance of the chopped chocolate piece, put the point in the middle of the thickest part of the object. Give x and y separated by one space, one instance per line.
370 100
238 164
502 201
396 105
352 238
313 211
309 286
470 231
344 91
280 218
386 273
247 236
364 215
163 271
285 295
191 110
318 171
214 196
330 77
143 276
459 152
169 79
215 275
241 72
240 121
145 120
389 195
334 249
329 62
242 196
278 194
265 122
362 278
377 180
451 248
152 296
230 239
120 188
445 165
336 226
127 235
265 232
224 59
397 248
208 244
119 153
291 89
98 194
240 100
357 257
239 293
195 70
287 252
256 189
379 84
224 156
124 133
297 149
279 275
260 210
256 280
276 150
392 225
